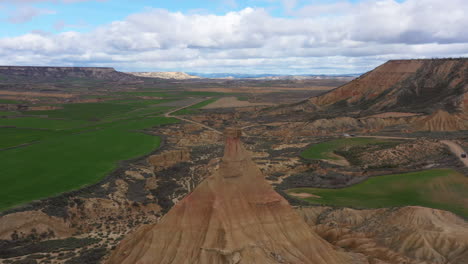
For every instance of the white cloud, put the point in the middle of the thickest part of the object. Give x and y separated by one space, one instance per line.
340 37
27 13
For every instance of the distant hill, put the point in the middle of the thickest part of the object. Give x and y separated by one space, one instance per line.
35 73
165 75
405 85
422 95
271 76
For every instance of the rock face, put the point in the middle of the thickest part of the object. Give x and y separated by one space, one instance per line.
234 216
54 73
165 75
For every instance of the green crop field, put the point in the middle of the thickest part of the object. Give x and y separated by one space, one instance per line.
69 161
190 110
86 111
437 188
4 113
49 152
41 123
152 94
8 101
325 150
10 137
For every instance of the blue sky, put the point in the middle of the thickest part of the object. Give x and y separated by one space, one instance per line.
262 36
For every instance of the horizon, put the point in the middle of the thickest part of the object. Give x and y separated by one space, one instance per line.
287 37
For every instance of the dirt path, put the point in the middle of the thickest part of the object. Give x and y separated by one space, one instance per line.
169 114
455 149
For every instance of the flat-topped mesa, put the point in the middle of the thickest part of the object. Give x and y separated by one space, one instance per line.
57 73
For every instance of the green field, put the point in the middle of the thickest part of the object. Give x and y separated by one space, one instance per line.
10 137
86 111
325 150
8 101
192 109
437 188
3 113
54 151
41 123
70 161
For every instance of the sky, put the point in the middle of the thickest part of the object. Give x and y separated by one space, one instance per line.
231 36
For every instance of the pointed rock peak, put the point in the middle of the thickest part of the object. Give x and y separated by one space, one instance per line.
233 149
232 217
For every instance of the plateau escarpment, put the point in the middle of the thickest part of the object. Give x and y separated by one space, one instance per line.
25 73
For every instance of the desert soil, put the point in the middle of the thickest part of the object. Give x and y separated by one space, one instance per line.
231 102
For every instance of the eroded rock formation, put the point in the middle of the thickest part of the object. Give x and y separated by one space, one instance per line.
234 216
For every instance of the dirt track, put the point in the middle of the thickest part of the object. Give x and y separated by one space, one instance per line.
169 114
456 149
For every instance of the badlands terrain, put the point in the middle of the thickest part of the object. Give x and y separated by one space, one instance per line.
99 166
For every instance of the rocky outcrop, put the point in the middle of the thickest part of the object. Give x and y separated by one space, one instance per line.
234 216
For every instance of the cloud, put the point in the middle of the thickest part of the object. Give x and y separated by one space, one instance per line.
340 37
26 13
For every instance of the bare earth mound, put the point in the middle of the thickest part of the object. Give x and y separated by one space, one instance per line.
234 216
